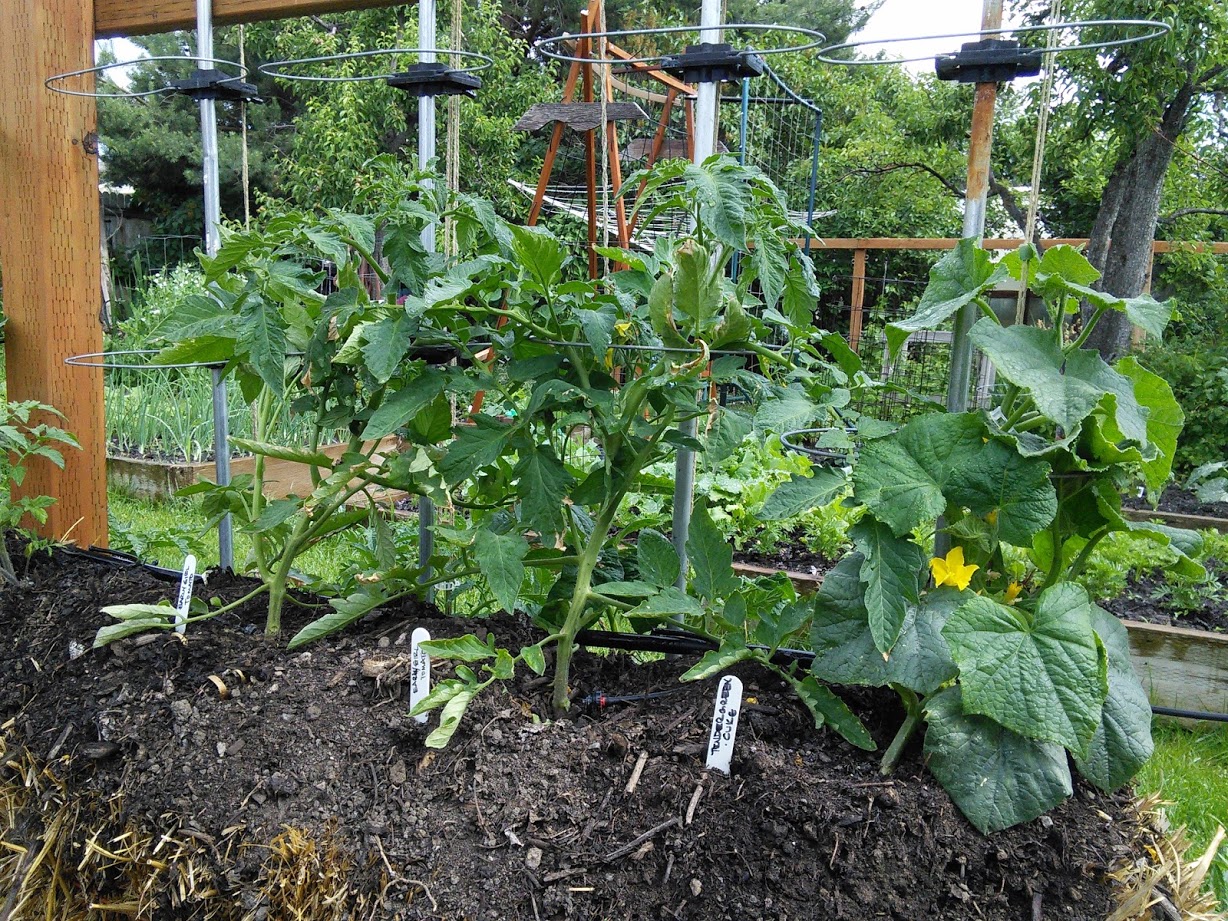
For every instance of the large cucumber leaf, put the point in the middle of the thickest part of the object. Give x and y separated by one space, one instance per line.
1122 743
1044 676
996 777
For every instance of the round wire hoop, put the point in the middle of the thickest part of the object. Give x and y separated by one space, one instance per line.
1154 30
823 456
103 360
637 347
277 68
52 83
546 46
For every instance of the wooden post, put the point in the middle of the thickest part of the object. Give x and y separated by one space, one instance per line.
858 300
49 233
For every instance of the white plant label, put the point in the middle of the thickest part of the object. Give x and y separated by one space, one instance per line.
419 670
184 603
724 723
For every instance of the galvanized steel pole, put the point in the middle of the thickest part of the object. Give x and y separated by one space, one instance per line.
707 98
426 153
213 220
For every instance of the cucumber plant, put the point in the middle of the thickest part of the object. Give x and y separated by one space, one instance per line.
1007 671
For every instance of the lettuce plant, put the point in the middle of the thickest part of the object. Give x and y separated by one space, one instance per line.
1007 674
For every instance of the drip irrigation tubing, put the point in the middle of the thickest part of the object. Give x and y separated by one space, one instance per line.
120 560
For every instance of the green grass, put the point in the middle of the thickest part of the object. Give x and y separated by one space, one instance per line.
1189 771
178 525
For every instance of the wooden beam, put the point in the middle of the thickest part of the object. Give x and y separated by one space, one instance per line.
140 17
49 232
930 243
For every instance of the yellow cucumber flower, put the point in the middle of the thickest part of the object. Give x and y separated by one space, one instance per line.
952 571
1012 592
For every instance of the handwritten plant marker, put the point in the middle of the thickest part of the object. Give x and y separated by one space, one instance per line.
419 670
724 723
184 602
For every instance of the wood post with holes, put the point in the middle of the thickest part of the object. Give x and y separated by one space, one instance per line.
49 252
857 302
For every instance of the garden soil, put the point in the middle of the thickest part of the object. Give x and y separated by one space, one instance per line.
219 776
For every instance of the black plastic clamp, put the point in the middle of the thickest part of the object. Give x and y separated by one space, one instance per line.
435 79
712 63
214 84
992 60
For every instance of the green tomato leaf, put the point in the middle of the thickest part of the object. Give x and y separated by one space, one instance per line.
829 710
903 477
163 612
112 632
449 719
669 602
386 344
996 777
891 574
710 556
543 486
656 558
715 661
729 429
1122 743
467 648
501 559
786 411
620 589
801 295
1044 677
697 285
475 446
345 612
265 340
802 493
539 253
534 658
403 405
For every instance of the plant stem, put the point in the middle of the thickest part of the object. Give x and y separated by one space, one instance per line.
575 613
1081 560
1087 331
895 751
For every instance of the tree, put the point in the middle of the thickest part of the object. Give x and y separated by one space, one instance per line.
152 143
1130 108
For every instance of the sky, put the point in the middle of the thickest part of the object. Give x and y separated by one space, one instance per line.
909 18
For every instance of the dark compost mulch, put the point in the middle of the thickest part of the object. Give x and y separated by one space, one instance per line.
522 816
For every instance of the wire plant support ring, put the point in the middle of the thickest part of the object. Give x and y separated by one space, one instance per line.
230 85
668 61
425 77
1151 29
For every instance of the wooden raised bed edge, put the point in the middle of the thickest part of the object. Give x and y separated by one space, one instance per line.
154 479
1177 519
